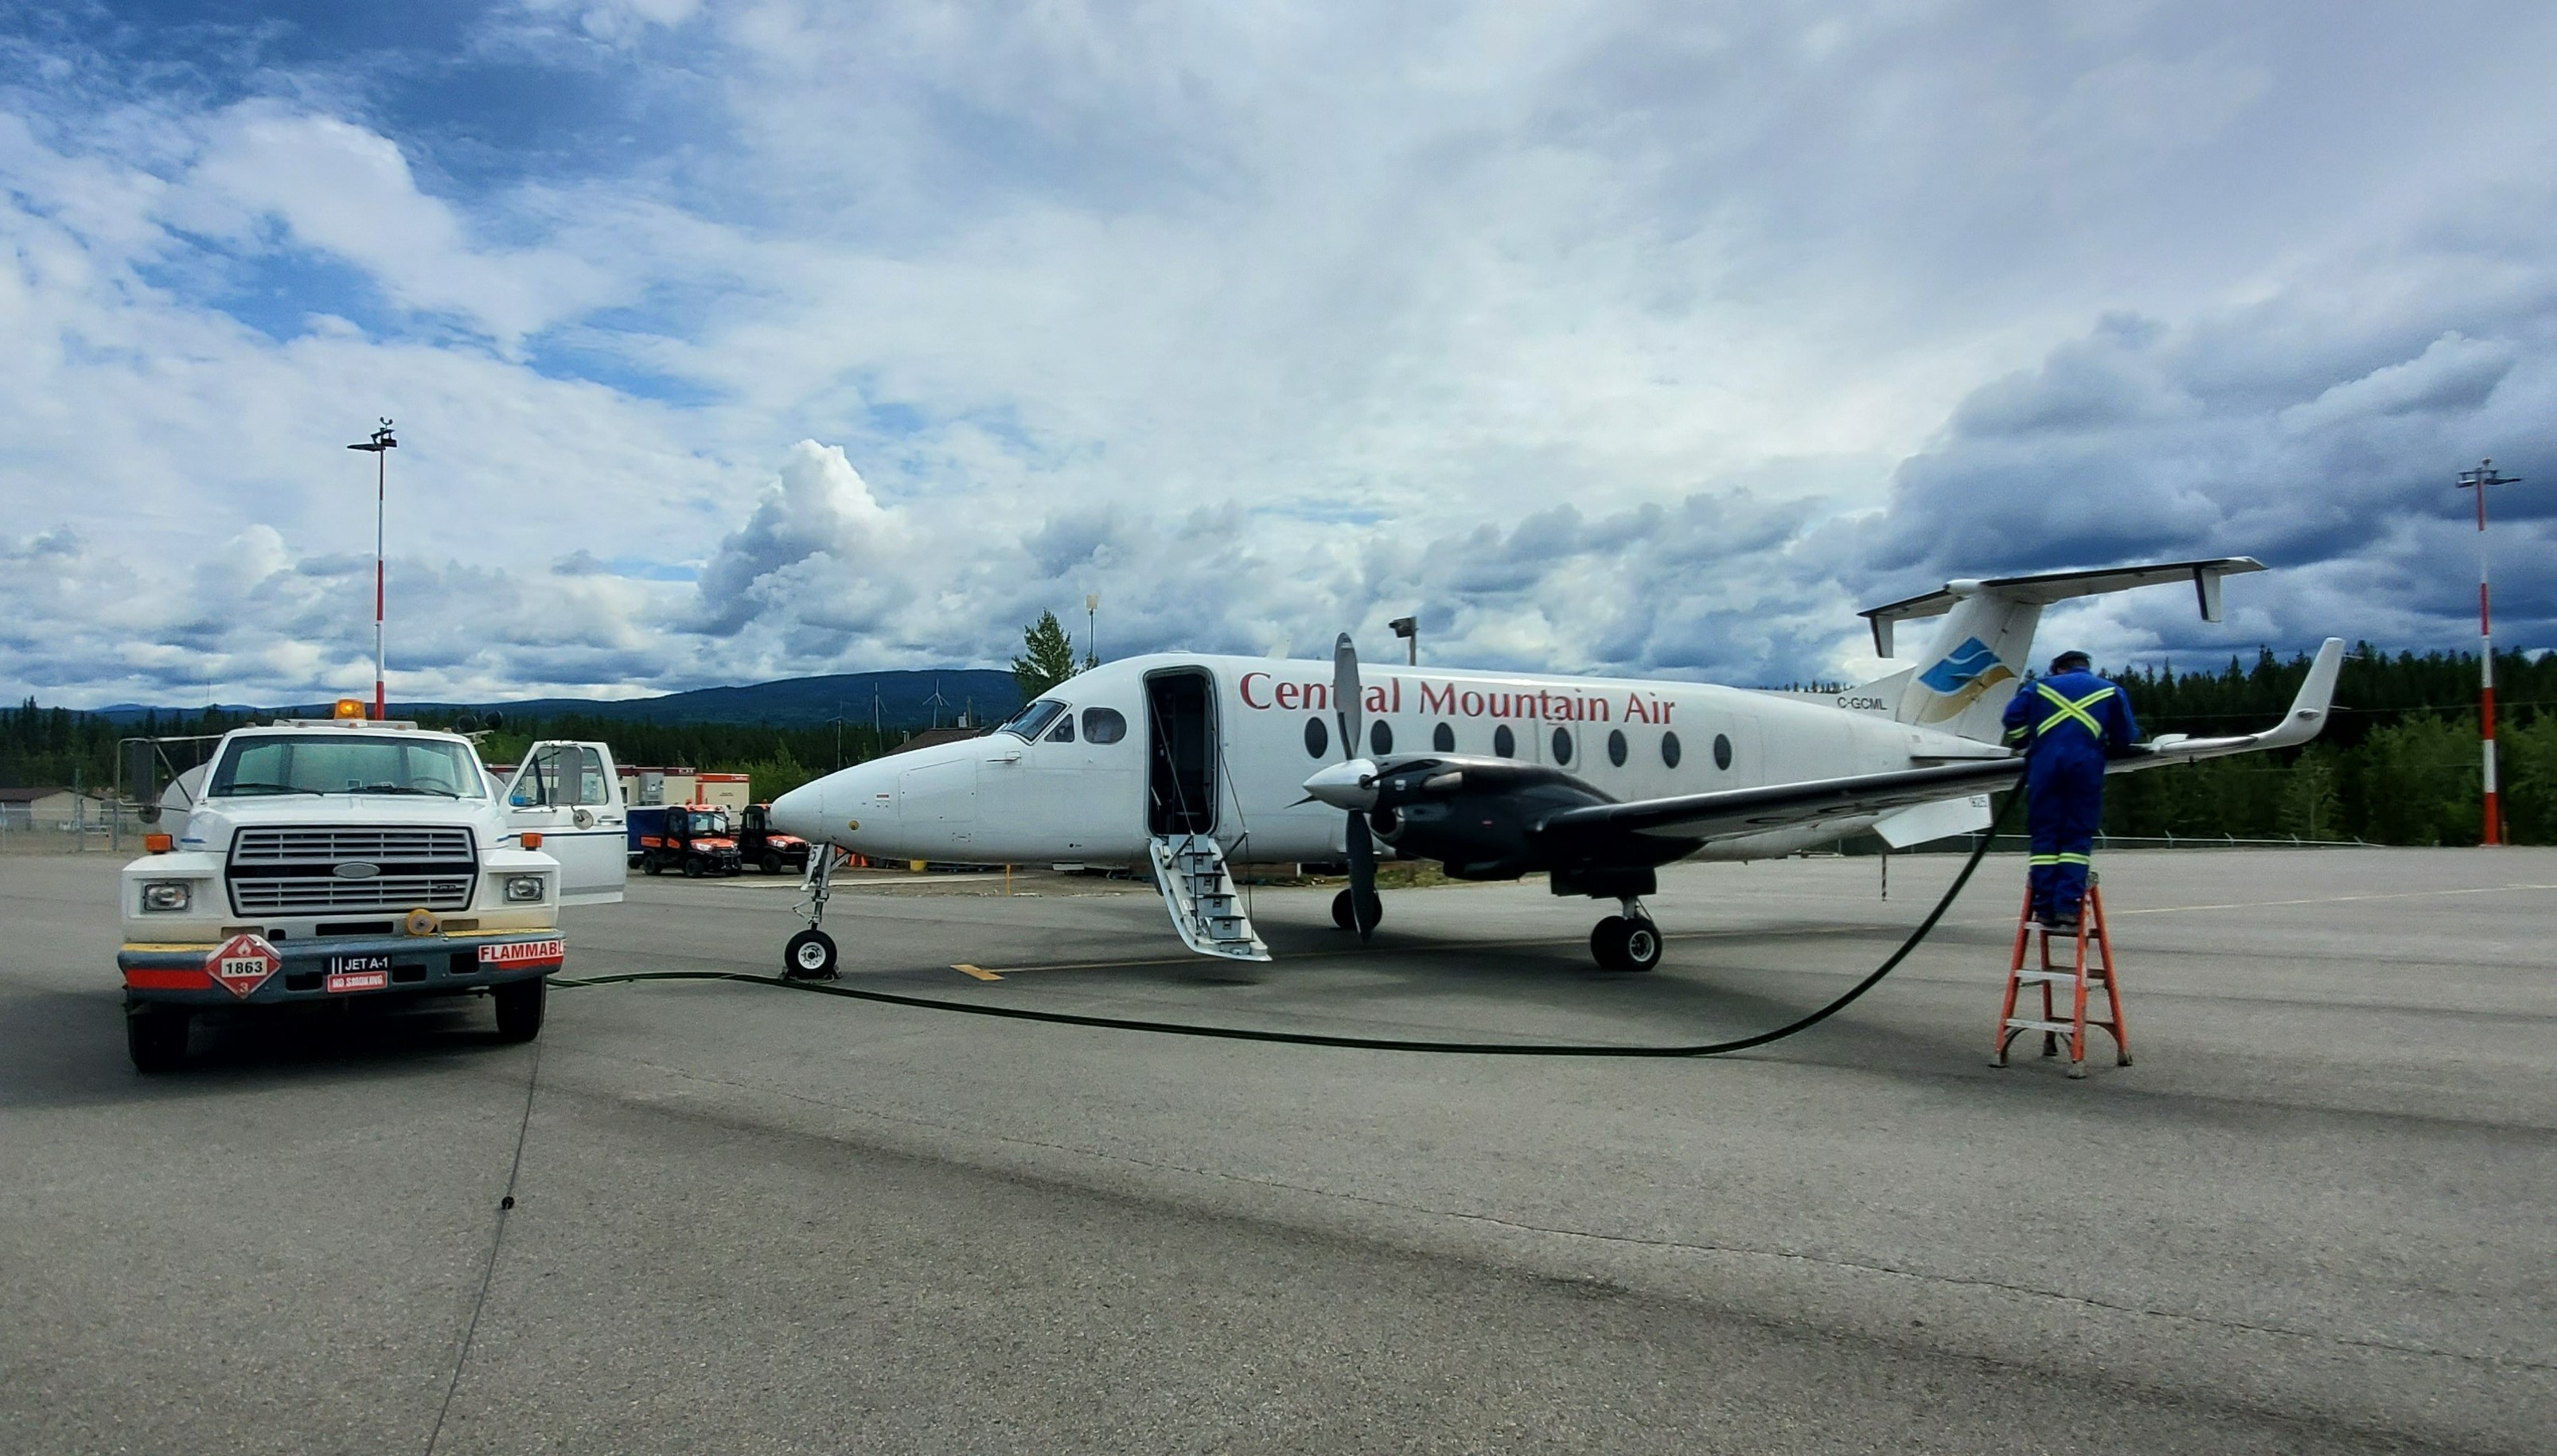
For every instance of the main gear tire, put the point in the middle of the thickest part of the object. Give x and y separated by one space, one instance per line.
810 956
1623 943
1342 916
156 1039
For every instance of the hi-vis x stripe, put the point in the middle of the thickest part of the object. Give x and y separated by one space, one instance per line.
2066 710
2059 860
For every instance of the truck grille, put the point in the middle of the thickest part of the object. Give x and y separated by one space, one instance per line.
290 872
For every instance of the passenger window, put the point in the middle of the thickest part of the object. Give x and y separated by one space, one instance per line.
591 788
1505 742
1443 739
1318 739
1722 750
1616 747
1379 738
1562 745
1103 725
1063 733
1670 752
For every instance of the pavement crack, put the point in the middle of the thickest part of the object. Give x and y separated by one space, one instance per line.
1683 1245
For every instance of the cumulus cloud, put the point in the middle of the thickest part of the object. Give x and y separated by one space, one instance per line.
1626 336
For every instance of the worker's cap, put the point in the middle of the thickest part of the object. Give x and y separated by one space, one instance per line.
2071 661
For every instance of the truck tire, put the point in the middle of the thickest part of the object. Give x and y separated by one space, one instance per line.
156 1039
695 866
655 865
771 862
520 1008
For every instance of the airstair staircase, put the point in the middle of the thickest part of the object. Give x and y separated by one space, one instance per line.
1190 870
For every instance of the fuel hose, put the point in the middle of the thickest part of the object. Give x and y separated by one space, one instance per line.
1355 1043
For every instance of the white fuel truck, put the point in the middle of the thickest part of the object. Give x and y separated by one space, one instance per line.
341 858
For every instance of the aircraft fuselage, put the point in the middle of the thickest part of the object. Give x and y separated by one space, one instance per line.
1182 742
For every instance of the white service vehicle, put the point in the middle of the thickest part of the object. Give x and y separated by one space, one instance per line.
337 858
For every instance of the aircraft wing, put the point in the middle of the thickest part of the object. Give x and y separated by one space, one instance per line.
1731 812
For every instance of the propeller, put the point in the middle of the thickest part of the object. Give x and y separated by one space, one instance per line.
1354 775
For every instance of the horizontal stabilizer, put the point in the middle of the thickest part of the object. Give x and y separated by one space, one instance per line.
2051 587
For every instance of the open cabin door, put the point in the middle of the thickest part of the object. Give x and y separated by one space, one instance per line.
570 795
1181 756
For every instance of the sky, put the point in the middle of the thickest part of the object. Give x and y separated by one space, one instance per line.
733 341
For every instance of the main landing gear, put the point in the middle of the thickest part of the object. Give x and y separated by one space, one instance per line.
810 955
1627 941
1341 911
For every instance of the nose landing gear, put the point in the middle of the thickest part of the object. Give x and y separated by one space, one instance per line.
811 955
1627 941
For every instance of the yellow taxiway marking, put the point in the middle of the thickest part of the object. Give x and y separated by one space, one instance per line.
2484 889
979 973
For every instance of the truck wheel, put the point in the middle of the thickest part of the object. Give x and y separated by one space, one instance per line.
656 867
156 1037
771 862
695 867
520 1008
810 956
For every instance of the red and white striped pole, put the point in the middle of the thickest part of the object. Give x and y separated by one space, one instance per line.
380 447
2478 480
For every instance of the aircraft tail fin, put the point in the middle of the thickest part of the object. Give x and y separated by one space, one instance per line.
1986 641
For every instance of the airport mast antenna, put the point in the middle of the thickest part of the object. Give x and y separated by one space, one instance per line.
379 447
2478 480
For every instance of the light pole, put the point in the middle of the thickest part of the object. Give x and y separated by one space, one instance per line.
1092 627
2478 480
1409 629
380 447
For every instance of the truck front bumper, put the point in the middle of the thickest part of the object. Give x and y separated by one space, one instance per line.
340 968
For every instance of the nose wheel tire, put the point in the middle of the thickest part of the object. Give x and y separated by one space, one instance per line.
1618 943
810 956
1341 911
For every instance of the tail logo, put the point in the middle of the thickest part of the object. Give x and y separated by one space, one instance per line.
1958 680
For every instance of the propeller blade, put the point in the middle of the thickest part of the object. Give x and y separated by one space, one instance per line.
1349 702
1363 902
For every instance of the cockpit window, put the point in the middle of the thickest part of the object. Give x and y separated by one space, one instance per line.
1063 733
1029 722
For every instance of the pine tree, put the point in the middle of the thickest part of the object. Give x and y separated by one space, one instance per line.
1047 658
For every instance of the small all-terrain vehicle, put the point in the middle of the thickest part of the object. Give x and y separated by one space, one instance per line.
767 849
693 838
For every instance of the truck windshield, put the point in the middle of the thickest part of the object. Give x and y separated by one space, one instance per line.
344 763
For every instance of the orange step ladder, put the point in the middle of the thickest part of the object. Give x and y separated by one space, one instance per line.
2082 974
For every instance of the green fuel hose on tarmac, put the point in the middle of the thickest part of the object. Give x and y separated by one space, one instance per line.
1358 1043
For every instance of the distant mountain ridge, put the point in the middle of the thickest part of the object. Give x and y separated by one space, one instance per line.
903 700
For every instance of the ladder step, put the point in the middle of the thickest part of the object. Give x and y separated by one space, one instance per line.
2065 1029
1227 927
2094 978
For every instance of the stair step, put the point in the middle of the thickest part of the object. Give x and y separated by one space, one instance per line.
2094 978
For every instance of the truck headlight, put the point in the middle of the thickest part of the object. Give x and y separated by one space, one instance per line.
523 888
166 894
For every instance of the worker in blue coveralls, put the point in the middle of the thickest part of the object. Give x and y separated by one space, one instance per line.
2069 722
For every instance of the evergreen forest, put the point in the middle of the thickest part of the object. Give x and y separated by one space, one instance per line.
2398 764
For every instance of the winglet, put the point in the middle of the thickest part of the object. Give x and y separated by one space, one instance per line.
2305 721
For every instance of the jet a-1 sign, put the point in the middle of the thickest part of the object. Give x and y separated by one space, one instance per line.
1186 762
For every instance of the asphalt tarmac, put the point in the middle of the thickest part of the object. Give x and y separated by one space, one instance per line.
2315 1215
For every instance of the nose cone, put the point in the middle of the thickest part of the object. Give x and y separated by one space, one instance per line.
1350 785
802 812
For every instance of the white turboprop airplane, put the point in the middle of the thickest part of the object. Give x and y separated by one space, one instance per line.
1183 762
